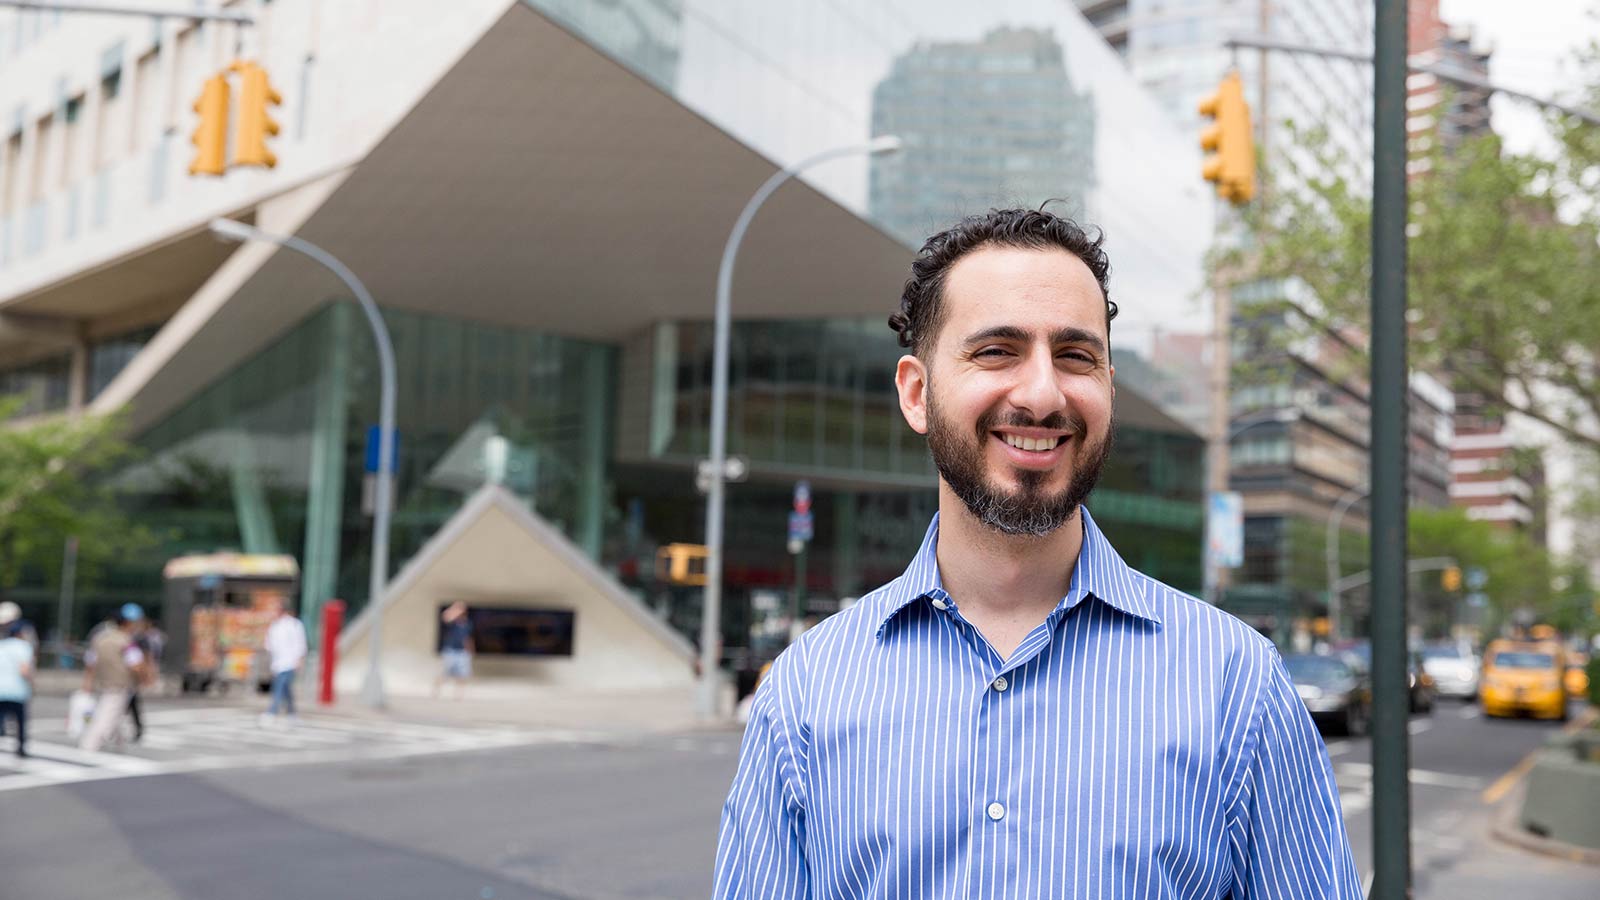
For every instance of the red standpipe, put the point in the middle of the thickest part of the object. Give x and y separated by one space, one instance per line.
332 622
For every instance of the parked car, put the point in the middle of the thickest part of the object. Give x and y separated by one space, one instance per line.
1420 686
1453 668
1524 677
1577 678
1336 690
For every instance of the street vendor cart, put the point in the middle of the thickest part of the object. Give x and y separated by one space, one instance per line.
217 607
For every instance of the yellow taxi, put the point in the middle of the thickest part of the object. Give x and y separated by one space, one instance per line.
1577 676
1523 677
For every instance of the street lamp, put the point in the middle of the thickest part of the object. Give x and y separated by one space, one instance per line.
717 469
1340 507
1282 415
372 691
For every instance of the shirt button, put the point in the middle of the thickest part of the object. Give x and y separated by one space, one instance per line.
940 604
1001 683
997 811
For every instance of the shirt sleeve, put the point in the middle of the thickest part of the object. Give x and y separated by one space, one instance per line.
761 849
1286 828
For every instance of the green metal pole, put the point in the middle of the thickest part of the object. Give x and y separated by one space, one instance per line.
1391 789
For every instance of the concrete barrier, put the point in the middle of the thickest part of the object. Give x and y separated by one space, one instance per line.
1563 797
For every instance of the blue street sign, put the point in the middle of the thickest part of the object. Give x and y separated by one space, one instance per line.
802 496
372 449
800 526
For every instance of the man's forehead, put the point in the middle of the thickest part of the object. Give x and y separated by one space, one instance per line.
1036 290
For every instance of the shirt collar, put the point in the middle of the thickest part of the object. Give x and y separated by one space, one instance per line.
1100 573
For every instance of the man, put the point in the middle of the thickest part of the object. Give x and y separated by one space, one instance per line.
455 648
1021 714
286 648
114 666
16 681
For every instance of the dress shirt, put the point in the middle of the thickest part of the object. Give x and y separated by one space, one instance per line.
1139 743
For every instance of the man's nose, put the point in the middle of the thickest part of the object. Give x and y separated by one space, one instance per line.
1038 388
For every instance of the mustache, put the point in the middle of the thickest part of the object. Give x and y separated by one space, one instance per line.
1016 418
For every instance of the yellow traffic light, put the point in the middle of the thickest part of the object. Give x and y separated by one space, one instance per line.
256 99
682 564
1231 159
210 137
1450 579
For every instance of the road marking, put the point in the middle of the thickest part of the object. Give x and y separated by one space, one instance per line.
1419 726
1337 747
1503 785
1417 776
1470 712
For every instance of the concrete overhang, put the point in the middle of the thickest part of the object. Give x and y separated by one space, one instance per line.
539 184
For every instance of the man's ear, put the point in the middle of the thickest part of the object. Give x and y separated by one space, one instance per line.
911 382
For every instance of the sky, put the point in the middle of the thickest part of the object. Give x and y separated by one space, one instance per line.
1532 42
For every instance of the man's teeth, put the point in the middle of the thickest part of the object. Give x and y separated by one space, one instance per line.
1022 443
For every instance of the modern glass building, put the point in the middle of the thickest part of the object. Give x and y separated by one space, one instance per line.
540 220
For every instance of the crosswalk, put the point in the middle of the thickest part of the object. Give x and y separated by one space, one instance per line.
212 738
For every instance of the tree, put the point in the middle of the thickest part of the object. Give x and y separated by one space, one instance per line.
1502 256
54 485
1521 574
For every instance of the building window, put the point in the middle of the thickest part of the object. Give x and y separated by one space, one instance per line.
109 357
42 385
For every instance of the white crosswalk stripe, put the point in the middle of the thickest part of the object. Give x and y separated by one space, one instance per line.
211 738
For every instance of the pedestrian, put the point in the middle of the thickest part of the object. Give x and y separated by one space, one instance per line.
141 639
455 648
286 649
114 667
16 681
1022 713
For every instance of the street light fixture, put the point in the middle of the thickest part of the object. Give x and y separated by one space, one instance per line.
717 467
372 691
1282 415
1340 507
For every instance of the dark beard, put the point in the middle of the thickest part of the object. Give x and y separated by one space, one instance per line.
1028 510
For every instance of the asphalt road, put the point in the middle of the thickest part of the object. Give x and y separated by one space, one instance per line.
628 819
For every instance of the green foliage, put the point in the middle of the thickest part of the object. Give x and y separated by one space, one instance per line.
1498 244
1521 573
53 486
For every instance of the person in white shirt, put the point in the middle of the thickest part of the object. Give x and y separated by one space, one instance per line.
286 646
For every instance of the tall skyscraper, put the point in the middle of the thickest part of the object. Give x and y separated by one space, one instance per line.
989 122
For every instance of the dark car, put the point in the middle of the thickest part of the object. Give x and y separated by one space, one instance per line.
1335 689
1420 686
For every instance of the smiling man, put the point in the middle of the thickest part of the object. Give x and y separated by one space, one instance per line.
1020 714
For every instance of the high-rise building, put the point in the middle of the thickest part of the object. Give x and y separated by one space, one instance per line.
1441 114
989 122
537 194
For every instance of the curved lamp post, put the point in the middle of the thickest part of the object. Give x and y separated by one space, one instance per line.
1340 507
717 467
1283 415
372 691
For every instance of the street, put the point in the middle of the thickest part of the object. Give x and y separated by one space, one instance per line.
212 806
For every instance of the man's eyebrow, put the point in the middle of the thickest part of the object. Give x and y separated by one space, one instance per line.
1069 335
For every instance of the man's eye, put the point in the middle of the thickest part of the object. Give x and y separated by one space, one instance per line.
1078 356
992 352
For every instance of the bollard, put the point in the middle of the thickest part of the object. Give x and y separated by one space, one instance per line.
332 622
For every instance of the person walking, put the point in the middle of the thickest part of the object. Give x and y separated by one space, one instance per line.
286 649
1021 713
114 667
16 681
455 648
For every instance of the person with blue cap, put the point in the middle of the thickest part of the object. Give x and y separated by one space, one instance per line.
16 680
115 667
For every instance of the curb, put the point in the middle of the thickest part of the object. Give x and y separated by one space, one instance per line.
1505 828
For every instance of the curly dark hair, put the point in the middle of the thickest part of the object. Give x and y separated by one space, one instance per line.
921 312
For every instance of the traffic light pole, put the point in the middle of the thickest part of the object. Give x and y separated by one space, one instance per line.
1391 751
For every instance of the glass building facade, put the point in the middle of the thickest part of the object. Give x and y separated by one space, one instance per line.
1003 104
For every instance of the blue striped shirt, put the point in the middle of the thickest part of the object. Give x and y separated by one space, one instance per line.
1138 743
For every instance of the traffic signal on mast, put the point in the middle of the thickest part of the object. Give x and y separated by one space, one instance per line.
256 99
1450 579
1231 163
210 137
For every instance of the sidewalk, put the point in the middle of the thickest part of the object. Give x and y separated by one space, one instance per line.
487 702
